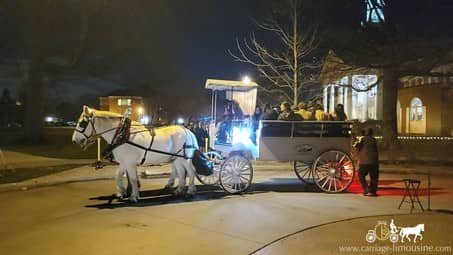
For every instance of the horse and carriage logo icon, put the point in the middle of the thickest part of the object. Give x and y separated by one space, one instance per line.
383 231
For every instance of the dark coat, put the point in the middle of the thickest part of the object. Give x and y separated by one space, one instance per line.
367 151
269 115
290 116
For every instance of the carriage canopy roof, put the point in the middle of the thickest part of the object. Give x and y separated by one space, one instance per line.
230 85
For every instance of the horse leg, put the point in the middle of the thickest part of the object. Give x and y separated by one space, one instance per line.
121 191
191 173
179 166
171 179
132 174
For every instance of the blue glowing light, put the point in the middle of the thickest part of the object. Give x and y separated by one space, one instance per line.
241 135
242 140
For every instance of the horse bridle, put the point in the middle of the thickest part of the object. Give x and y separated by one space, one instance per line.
84 125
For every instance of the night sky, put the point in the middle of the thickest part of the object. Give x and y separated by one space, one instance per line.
166 49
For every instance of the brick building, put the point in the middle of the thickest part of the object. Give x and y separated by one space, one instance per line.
119 104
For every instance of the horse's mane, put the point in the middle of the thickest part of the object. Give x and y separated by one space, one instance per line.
106 114
113 115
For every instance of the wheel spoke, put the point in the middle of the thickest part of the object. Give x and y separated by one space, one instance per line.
244 178
341 160
325 182
236 174
305 173
323 174
343 166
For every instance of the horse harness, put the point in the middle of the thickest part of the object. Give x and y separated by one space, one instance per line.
149 148
122 135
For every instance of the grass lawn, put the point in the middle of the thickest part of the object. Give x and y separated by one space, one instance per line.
21 174
69 151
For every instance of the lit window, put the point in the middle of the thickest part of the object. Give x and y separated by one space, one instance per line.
124 101
416 109
375 11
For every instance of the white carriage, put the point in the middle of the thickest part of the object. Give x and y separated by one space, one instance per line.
319 150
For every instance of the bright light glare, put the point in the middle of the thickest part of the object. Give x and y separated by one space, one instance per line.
180 121
140 110
49 119
144 120
246 80
241 135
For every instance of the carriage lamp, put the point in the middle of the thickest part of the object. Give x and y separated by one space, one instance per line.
180 121
246 80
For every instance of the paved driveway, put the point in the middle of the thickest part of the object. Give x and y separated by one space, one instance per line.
77 218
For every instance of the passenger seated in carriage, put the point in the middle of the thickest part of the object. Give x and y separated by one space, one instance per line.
256 117
224 125
233 112
287 113
338 114
319 113
269 113
238 114
303 112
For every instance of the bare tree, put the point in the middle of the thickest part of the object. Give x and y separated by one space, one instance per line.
53 36
289 67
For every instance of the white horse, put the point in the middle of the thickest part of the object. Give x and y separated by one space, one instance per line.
416 231
166 143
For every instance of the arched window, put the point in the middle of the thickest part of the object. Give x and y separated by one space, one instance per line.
416 109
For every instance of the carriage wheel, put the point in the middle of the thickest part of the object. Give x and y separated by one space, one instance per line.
216 160
236 174
304 171
333 171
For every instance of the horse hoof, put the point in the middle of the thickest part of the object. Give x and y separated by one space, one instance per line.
121 196
178 192
192 190
133 200
168 188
